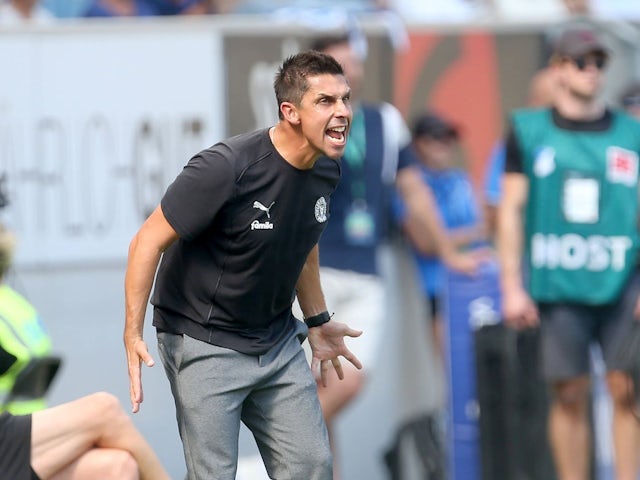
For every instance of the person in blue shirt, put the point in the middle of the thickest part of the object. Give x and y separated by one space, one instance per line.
377 161
434 140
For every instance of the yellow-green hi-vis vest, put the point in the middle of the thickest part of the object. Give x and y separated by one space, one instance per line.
21 334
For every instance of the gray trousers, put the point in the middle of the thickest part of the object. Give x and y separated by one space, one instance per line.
274 395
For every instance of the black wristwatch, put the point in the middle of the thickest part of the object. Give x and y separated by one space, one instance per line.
317 320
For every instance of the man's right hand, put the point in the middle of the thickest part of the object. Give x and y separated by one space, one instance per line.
518 309
137 353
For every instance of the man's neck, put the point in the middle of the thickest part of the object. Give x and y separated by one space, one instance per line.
580 109
292 146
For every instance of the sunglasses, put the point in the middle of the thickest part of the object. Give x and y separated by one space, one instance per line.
597 60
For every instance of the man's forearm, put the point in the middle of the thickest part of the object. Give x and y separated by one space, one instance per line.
141 269
145 250
510 246
422 214
308 288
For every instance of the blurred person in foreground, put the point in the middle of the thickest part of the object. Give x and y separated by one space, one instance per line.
24 12
88 438
237 232
22 334
570 206
376 161
434 140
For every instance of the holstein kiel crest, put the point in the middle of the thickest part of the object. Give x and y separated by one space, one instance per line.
321 210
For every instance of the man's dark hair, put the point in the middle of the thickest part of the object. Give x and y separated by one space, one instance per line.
290 83
322 44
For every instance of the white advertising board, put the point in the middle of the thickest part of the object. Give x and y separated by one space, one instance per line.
94 124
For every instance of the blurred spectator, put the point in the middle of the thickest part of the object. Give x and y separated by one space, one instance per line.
120 8
530 10
614 21
630 100
65 8
349 245
413 11
626 10
434 141
377 159
19 12
542 88
22 335
183 7
128 8
569 213
270 6
578 7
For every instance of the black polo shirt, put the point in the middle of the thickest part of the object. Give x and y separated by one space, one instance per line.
247 220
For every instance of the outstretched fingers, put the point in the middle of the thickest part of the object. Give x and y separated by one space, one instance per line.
135 358
327 344
337 366
351 332
325 366
352 358
346 353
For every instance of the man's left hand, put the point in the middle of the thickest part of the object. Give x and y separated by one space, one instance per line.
327 343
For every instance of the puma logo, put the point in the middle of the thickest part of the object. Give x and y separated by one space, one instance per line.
260 206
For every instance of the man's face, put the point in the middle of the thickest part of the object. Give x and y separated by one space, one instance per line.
584 75
578 7
325 114
436 151
351 64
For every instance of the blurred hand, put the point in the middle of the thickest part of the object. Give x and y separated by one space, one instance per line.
518 309
468 262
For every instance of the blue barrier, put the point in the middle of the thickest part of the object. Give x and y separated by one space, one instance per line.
468 304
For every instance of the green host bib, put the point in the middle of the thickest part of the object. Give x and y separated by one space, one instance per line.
582 211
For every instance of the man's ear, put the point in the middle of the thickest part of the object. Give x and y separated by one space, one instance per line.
290 112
